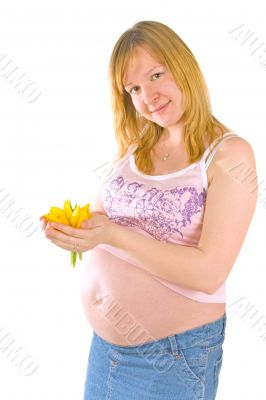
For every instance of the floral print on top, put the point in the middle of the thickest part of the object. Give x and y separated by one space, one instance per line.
164 214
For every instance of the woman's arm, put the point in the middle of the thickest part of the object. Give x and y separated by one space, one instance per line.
178 264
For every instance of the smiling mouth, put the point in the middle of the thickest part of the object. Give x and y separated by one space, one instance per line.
161 108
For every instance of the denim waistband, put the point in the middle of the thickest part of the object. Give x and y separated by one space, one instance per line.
199 334
181 340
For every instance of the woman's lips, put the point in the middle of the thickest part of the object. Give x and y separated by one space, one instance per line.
162 108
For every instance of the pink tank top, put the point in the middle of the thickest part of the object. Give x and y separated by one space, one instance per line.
167 207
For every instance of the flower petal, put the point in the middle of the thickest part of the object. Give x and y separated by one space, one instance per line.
68 210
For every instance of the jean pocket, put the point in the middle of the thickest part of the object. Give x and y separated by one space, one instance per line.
194 361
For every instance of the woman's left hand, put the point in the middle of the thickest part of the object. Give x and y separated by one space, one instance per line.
95 230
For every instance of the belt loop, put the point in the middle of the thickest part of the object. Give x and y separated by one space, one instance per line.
174 345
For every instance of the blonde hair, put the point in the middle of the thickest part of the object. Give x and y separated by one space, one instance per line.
133 129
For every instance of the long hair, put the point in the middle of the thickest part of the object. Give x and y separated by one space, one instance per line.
129 126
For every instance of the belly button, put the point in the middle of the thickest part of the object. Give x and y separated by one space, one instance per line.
99 302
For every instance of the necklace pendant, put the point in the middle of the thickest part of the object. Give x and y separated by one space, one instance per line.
165 157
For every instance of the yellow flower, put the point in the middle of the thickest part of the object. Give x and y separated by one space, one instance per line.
71 217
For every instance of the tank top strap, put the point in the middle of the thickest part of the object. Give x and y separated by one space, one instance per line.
211 150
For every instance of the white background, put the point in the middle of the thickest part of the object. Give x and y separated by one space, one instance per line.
51 149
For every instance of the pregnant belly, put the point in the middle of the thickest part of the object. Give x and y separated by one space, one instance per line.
126 305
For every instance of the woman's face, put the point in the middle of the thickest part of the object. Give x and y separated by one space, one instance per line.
152 86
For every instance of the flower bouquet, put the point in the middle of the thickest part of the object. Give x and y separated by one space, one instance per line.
72 217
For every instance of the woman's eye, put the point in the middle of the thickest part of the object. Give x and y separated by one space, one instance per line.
132 89
157 73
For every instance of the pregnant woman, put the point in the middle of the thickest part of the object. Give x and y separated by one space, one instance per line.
169 221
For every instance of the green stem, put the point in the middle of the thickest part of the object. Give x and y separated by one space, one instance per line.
73 257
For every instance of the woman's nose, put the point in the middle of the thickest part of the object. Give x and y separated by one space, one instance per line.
149 95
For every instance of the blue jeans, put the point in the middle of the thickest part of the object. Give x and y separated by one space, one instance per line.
185 366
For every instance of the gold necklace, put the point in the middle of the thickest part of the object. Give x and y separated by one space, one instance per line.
166 155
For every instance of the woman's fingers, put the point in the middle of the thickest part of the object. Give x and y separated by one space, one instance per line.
43 222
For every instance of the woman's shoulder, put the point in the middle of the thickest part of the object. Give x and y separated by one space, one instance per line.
231 154
234 144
